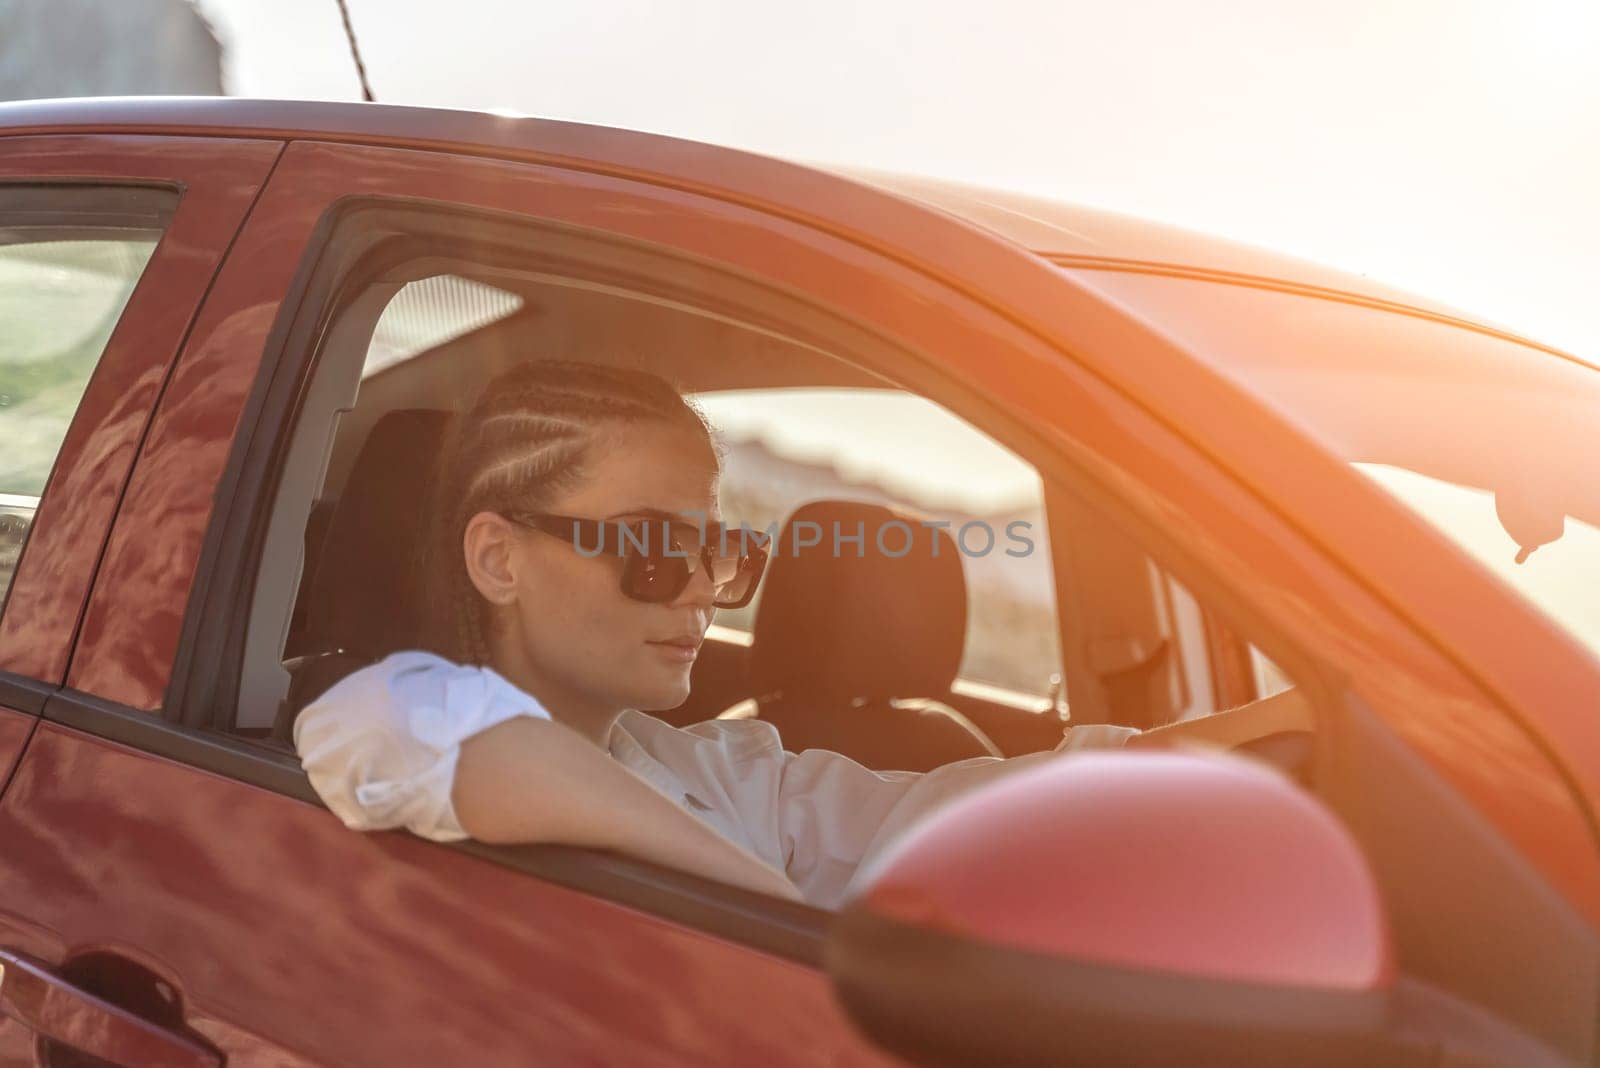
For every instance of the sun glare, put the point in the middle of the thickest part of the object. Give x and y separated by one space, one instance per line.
1566 30
1539 54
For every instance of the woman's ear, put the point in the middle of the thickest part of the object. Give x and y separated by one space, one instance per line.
488 544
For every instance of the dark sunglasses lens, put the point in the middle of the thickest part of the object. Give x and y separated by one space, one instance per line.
734 594
650 572
744 573
654 578
658 569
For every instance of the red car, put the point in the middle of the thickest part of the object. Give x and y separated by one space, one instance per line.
229 331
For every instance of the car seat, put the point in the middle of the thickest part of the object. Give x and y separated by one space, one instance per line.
854 648
360 598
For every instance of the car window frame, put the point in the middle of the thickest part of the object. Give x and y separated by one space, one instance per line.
335 276
333 272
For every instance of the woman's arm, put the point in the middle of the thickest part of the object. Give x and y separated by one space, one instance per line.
1285 711
534 780
449 751
834 814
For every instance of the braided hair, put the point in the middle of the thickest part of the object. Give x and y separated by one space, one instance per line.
524 443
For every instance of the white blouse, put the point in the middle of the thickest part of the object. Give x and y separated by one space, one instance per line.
380 748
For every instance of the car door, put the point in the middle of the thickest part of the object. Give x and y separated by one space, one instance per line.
107 244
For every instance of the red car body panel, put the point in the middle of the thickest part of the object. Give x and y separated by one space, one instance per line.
109 844
505 969
220 178
15 727
1075 236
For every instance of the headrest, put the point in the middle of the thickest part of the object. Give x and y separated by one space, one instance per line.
843 619
365 590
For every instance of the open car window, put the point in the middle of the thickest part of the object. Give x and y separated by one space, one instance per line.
1056 617
799 425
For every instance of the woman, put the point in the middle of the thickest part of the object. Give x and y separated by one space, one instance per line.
534 727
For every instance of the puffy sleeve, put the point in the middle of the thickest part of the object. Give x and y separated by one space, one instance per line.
380 746
833 814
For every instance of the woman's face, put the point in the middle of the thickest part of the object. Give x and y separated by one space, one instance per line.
566 625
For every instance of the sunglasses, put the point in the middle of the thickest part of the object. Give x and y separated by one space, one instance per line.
661 556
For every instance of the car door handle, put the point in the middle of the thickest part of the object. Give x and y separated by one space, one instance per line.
51 1006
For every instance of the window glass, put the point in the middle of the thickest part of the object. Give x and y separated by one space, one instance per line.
789 446
62 289
408 353
1560 574
1489 440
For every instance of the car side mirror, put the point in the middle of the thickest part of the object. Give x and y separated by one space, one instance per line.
1124 908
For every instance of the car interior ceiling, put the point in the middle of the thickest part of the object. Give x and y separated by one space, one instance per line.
698 353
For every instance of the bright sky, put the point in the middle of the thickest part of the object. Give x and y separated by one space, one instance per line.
1447 146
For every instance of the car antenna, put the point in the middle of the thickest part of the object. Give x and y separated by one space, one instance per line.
355 53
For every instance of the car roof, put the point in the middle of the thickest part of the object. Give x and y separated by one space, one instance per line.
1071 236
1076 235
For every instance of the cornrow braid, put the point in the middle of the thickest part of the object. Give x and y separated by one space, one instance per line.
523 443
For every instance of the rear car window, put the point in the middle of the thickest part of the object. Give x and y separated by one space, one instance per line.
69 260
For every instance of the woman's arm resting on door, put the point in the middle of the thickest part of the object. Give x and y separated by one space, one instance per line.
449 751
533 780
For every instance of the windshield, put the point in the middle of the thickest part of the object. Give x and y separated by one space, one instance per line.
1562 577
1494 443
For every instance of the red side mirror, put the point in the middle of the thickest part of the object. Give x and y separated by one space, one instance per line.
1124 908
